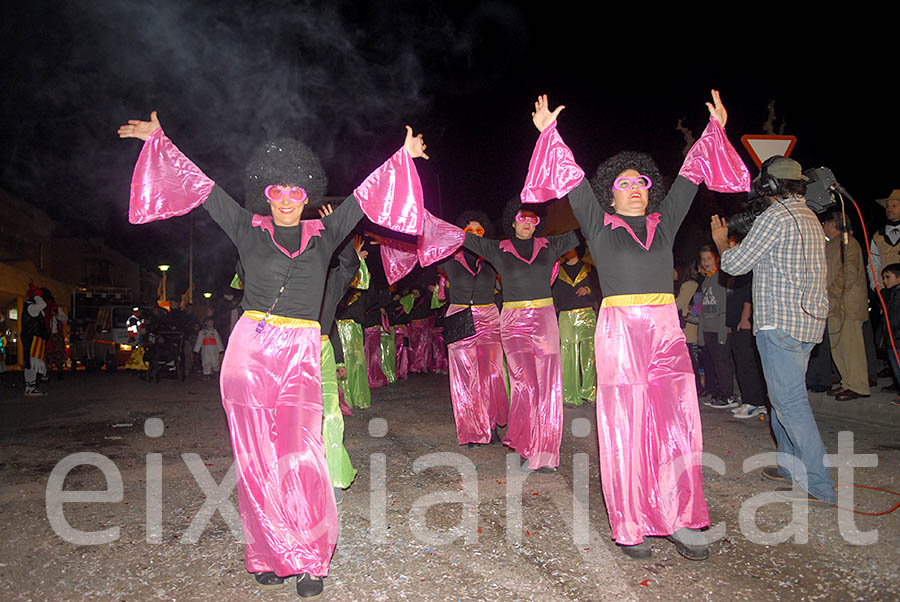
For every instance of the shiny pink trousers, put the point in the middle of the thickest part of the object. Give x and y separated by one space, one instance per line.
372 346
530 339
648 424
401 331
438 351
420 346
272 394
477 383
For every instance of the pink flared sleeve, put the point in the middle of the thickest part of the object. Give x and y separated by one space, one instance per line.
714 161
552 171
398 259
165 183
438 240
392 195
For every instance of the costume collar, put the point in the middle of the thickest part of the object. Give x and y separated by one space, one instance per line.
308 229
539 243
617 222
458 256
582 274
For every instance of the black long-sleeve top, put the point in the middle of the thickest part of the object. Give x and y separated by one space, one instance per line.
470 279
524 281
266 253
339 279
624 265
571 278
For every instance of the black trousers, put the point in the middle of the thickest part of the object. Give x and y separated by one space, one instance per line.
720 355
748 368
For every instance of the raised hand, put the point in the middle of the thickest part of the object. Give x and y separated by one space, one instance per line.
139 129
717 109
325 210
719 230
543 116
414 145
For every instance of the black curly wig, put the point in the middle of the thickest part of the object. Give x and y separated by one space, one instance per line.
476 216
609 170
285 162
513 206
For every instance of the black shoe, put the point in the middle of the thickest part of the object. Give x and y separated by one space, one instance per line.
641 550
495 438
547 469
268 580
817 388
885 373
690 543
472 445
309 586
890 387
338 495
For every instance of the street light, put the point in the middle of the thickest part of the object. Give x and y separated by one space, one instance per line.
163 268
207 295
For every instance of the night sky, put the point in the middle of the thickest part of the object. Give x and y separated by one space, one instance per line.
346 77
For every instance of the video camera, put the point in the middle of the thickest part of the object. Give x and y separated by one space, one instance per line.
820 196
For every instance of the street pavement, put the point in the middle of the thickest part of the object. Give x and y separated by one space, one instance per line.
426 519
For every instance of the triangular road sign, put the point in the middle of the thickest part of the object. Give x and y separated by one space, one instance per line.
763 146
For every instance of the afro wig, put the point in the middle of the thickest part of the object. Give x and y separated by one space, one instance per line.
285 162
513 206
609 170
476 216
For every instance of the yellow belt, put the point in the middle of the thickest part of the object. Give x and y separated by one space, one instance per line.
346 321
530 304
639 299
325 338
281 321
579 310
475 305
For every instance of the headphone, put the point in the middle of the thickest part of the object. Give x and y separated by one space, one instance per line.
766 184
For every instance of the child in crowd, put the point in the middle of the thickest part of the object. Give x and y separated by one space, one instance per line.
209 344
891 277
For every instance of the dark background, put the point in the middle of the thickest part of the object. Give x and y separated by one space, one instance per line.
346 77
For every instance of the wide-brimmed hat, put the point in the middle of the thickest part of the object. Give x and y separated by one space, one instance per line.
895 196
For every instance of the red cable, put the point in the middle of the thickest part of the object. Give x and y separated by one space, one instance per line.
895 506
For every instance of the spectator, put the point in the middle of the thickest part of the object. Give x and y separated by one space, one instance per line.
891 277
848 307
209 345
34 338
785 249
713 331
885 246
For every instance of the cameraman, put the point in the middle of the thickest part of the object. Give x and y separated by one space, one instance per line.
785 249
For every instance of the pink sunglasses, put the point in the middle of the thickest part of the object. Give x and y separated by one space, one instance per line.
295 194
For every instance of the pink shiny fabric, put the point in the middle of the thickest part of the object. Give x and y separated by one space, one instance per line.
552 171
438 351
539 243
439 240
308 229
477 384
531 343
398 258
272 394
372 346
392 195
648 424
420 348
714 161
342 403
401 331
617 222
165 183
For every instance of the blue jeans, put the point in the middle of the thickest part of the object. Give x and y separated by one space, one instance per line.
784 361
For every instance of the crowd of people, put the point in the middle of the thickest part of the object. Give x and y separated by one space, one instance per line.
522 324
